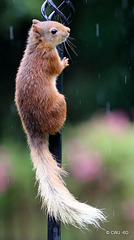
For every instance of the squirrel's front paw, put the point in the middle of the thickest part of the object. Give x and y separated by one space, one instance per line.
65 62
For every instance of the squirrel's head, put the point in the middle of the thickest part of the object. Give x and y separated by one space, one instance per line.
50 32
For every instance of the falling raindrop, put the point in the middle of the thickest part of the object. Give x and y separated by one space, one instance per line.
99 75
11 33
77 92
125 79
13 109
97 30
108 107
80 101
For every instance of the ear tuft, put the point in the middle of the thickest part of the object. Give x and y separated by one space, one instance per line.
35 21
34 28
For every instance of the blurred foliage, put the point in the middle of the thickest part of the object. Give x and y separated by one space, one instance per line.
99 79
108 140
99 156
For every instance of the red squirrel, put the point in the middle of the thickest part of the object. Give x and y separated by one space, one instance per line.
42 110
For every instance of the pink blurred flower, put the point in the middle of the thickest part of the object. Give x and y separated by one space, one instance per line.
117 121
128 210
84 165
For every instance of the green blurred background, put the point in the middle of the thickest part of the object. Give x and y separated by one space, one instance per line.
98 137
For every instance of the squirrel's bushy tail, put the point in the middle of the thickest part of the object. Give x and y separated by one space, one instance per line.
58 201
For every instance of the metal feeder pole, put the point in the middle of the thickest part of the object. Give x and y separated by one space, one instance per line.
55 141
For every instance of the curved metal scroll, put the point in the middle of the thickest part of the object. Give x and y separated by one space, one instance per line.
57 11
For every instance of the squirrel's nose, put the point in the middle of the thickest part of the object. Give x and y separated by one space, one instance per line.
68 30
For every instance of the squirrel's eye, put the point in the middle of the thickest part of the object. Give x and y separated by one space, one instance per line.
53 31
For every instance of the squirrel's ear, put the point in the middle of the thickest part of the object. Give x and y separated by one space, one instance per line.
35 21
34 28
35 25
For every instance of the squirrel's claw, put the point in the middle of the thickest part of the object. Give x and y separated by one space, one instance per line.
65 62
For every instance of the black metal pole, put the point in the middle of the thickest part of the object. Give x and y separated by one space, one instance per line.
55 147
55 141
54 229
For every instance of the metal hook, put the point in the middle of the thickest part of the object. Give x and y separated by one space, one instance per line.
58 10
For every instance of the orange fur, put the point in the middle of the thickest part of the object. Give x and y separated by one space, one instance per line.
42 110
37 100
